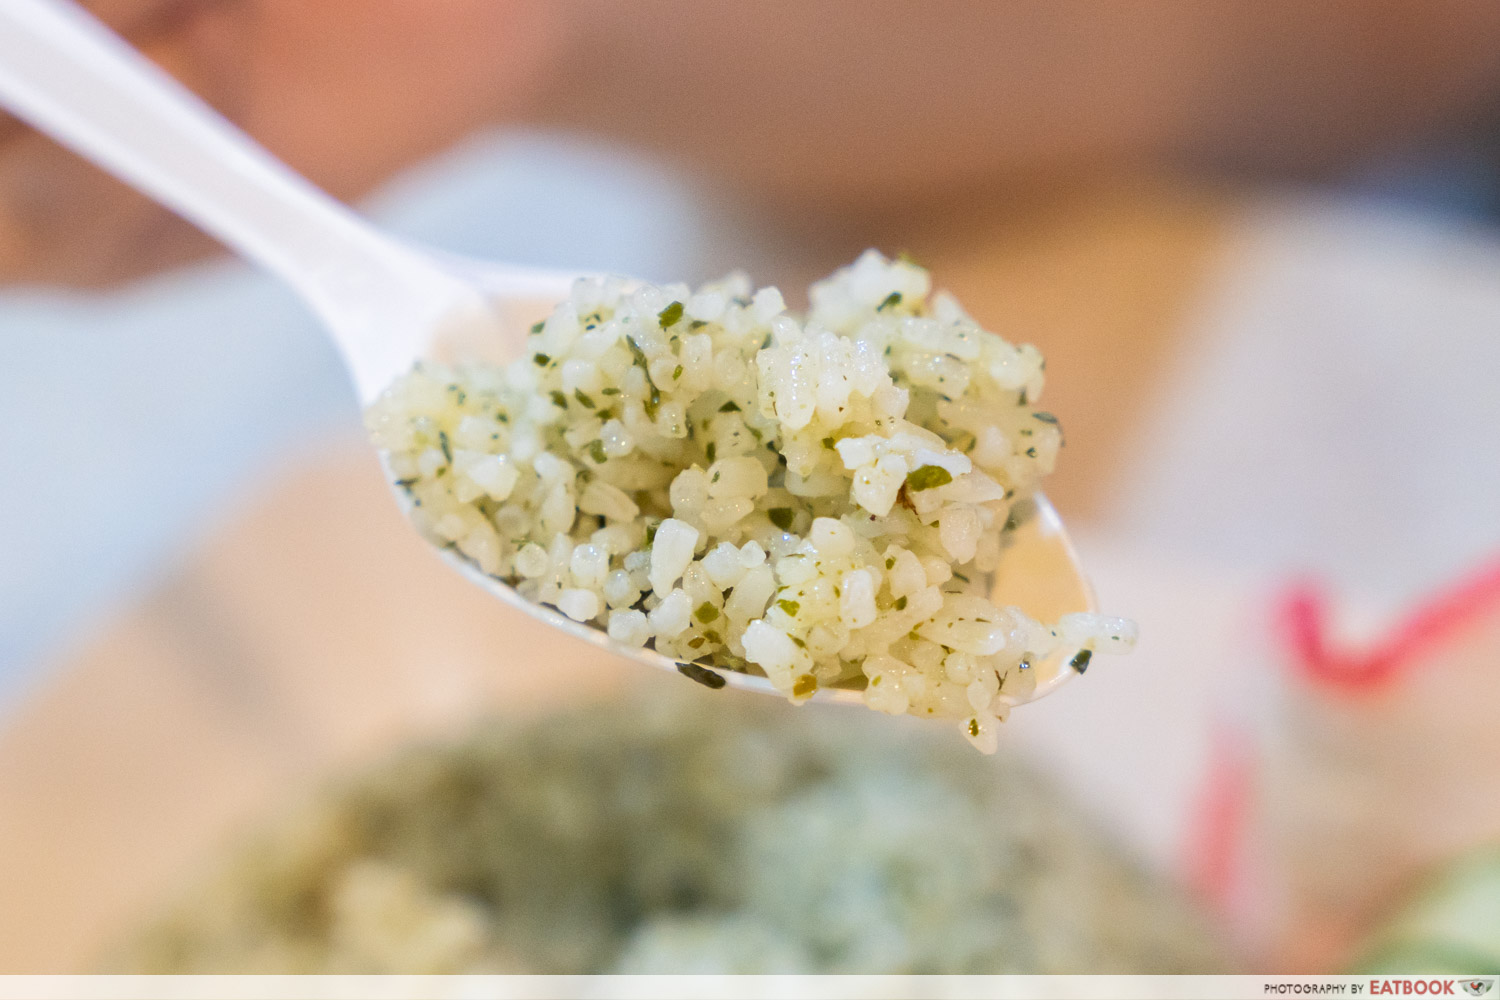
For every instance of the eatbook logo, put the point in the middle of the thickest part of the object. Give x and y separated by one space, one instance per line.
1478 987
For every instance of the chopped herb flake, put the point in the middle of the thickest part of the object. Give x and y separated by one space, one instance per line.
443 443
542 359
611 391
790 607
893 299
927 477
781 517
702 675
804 685
559 398
730 407
637 354
670 315
1080 661
828 443
706 612
901 603
596 451
676 373
1045 418
537 327
710 451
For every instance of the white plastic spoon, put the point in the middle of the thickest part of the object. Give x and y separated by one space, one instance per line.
385 304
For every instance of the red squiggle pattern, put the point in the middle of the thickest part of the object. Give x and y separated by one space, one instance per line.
1216 832
1304 615
1217 825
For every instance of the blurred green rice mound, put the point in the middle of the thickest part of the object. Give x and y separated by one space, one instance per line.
684 832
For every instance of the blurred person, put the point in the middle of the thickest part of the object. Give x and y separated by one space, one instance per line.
1247 381
841 113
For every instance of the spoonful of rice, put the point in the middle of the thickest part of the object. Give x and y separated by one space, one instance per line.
840 504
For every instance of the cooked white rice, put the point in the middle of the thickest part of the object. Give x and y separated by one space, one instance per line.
819 499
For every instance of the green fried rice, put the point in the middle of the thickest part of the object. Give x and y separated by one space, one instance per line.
820 499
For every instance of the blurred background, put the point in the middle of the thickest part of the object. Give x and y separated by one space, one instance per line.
1255 240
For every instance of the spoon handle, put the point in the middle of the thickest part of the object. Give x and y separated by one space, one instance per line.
69 76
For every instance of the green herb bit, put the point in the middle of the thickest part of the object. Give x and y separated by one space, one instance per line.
583 398
706 612
702 675
638 355
652 403
596 451
1022 400
559 398
1045 417
790 607
407 483
960 576
542 359
1031 452
828 443
710 451
974 728
1080 661
890 563
651 533
670 315
804 685
797 642
696 641
781 517
443 443
697 324
901 603
928 477
730 407
611 391
893 299
676 373
537 327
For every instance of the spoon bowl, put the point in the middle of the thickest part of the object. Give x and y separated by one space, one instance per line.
385 304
